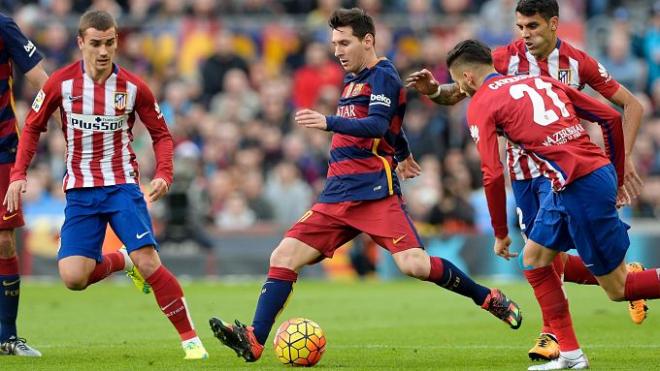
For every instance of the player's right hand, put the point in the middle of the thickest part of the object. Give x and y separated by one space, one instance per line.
422 81
501 248
12 199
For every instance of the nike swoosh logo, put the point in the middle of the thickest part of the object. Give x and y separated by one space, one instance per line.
72 98
168 305
7 217
397 240
7 283
140 235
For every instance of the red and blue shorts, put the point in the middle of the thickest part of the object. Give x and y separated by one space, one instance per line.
326 227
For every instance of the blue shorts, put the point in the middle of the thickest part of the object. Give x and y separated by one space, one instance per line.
88 212
529 195
585 211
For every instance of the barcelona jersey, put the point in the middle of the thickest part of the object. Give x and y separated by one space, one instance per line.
15 50
368 138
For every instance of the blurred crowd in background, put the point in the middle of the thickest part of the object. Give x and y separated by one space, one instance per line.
228 76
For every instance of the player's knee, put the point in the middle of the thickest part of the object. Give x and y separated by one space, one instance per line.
616 293
73 282
282 257
146 260
414 265
7 248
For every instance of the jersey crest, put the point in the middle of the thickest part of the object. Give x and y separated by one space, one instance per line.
564 76
120 100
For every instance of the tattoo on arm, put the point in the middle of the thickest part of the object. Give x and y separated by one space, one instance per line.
450 94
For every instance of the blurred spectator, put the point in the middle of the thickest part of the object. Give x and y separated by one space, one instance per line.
620 62
319 71
238 102
216 66
652 45
288 193
252 186
235 214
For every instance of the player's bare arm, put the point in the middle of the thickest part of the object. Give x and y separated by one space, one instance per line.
408 168
424 82
632 118
311 119
37 76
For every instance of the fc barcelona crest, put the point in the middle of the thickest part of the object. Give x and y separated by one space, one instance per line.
564 76
120 100
357 89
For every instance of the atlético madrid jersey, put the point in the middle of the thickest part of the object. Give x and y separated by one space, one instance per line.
368 138
97 122
566 64
542 117
15 50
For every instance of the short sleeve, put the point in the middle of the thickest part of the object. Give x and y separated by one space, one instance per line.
22 51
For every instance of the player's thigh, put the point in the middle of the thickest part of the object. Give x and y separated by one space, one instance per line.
320 231
527 204
387 222
600 236
83 230
130 218
8 221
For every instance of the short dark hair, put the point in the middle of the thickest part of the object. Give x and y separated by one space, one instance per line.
361 23
545 8
469 51
98 19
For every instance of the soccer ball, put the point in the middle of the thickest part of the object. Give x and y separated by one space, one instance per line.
299 342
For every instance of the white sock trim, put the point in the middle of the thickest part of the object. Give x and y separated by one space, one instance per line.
128 263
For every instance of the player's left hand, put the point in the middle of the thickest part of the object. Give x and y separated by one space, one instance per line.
501 248
159 188
632 184
311 119
408 168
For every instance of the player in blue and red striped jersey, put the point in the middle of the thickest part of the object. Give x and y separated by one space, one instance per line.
98 102
15 51
539 52
542 116
361 193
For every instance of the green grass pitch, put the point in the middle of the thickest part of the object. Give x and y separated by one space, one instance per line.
369 326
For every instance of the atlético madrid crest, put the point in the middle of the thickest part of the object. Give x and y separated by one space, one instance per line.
120 100
564 76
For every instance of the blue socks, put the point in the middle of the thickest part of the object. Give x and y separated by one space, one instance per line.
274 294
445 274
9 305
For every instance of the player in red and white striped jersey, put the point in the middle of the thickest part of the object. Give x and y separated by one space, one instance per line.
540 52
98 102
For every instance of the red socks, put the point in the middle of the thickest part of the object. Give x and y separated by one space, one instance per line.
112 262
642 285
575 271
9 267
169 297
554 305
